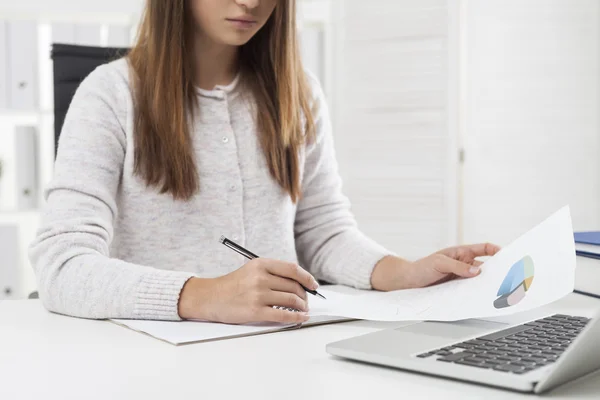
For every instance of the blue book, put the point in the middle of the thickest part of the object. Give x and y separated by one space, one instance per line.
587 244
588 238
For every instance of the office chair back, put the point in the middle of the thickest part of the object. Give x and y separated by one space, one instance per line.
72 64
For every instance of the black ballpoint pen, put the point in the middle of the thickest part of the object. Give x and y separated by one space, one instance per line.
251 256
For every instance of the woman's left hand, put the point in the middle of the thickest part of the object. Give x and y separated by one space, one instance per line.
393 273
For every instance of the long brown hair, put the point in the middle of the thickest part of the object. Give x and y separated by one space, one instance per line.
165 97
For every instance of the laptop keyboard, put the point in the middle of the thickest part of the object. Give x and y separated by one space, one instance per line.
517 350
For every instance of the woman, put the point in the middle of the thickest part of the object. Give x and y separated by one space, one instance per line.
209 126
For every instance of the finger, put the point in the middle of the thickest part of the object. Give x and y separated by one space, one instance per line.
483 249
280 284
477 263
290 300
282 316
447 265
292 271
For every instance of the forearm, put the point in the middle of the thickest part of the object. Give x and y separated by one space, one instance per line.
392 273
339 253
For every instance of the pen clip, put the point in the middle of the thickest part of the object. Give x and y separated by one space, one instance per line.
236 247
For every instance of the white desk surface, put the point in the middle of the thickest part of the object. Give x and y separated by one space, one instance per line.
47 356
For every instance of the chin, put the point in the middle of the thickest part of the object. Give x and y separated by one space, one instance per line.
237 39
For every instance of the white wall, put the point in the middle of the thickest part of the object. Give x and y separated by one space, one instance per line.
532 135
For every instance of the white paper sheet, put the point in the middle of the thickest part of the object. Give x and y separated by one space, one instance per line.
547 251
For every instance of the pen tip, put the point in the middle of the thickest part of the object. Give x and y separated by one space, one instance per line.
320 295
222 239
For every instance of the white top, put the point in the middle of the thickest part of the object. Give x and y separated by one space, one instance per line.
45 356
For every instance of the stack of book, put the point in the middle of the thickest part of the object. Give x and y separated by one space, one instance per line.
587 275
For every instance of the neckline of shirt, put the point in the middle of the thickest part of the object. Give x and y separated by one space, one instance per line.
220 91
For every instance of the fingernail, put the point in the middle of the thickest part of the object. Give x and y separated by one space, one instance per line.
315 284
474 270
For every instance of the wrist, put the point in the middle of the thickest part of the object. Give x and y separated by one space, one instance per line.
194 299
392 273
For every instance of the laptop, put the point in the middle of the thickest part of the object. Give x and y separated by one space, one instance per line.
531 355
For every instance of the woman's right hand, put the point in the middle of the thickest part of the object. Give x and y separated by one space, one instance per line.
248 294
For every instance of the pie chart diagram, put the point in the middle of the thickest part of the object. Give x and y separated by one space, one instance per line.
516 284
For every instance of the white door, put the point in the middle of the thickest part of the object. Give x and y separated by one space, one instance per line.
393 134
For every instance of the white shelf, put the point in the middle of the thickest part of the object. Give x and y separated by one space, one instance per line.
17 117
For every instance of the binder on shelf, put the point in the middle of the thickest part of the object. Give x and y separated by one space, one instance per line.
22 64
9 252
26 167
2 184
3 66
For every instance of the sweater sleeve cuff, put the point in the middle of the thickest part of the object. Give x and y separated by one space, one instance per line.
361 257
366 261
157 296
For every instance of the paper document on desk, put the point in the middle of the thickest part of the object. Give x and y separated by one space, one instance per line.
184 332
536 269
